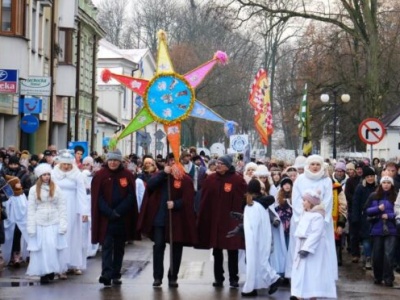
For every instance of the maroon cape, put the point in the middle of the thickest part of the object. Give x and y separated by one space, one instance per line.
183 219
102 185
220 195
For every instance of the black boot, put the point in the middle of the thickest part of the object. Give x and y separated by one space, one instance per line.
44 279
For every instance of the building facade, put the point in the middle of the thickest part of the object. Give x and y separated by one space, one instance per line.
122 104
54 40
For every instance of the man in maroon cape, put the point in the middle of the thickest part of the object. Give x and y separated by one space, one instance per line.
167 196
114 215
222 192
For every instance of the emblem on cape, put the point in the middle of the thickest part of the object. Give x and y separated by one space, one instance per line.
228 187
177 184
123 182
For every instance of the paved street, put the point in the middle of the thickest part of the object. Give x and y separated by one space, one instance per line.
194 282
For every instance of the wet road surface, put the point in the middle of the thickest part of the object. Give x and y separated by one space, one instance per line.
195 281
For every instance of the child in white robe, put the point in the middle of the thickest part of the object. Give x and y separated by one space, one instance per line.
47 225
310 275
258 238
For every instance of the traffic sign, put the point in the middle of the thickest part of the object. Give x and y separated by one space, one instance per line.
371 131
29 123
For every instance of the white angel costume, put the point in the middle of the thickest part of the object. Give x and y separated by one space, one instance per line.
47 226
257 230
311 276
313 181
72 185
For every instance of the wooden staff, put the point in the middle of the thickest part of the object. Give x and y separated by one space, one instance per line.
171 257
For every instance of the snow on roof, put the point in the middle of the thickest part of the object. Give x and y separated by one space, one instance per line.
108 50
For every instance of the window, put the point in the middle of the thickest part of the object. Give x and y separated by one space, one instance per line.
64 47
34 31
12 17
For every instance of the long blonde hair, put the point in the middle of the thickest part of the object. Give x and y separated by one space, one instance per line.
39 183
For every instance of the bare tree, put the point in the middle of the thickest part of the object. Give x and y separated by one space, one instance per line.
112 17
357 18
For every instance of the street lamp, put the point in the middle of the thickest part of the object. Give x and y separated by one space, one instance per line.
325 99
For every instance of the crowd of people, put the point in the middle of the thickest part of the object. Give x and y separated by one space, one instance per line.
279 222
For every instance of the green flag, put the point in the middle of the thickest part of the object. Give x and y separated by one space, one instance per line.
304 125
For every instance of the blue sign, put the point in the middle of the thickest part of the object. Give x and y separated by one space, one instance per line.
8 81
79 145
29 124
30 105
106 141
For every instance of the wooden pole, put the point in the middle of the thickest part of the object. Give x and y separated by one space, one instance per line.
171 257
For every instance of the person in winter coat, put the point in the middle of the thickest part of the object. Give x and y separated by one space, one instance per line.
16 207
284 206
339 216
222 193
359 217
310 263
47 226
167 211
380 210
114 215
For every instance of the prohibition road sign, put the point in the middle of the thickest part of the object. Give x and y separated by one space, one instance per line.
371 131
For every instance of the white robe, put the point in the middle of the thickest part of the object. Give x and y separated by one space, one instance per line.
72 185
324 185
88 248
312 276
257 231
278 254
47 223
16 209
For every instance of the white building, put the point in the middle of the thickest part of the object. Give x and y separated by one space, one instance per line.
120 103
389 147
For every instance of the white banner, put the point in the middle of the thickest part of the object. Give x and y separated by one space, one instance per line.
238 142
36 86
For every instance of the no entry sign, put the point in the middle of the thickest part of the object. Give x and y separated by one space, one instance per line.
371 131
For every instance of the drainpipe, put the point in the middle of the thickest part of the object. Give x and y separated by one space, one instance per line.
52 57
94 106
77 82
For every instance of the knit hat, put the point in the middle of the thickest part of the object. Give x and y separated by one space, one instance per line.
350 166
315 158
42 169
300 162
226 160
262 171
314 197
286 180
254 186
114 155
88 160
386 179
340 166
65 157
367 171
13 160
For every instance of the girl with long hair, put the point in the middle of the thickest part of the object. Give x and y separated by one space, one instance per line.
380 210
46 226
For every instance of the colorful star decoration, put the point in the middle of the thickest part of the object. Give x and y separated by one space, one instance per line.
169 98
